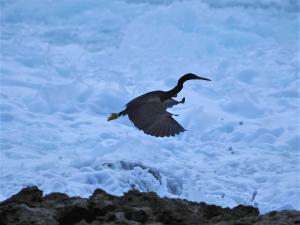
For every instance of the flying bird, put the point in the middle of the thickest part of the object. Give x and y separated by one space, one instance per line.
148 112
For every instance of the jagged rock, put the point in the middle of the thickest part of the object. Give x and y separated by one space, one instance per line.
30 207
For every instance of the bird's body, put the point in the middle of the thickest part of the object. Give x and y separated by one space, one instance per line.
148 112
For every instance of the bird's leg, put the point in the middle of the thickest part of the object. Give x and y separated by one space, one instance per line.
171 102
113 116
183 100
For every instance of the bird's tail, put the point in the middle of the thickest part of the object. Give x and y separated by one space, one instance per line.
113 116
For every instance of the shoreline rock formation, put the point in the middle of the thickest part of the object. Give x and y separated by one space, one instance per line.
29 206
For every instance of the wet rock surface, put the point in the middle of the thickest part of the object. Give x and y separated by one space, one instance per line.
29 206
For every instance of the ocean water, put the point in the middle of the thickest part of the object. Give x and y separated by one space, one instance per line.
66 65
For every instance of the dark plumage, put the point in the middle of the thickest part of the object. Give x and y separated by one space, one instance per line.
148 112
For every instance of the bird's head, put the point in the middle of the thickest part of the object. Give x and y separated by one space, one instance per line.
191 76
173 92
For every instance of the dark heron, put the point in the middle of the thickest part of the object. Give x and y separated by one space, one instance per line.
148 112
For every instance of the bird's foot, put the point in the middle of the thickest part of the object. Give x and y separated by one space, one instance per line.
183 100
113 116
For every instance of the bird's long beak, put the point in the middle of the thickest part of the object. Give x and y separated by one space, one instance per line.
202 78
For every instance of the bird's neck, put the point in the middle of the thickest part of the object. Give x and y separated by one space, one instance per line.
173 92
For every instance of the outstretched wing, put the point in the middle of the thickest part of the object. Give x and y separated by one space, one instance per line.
153 119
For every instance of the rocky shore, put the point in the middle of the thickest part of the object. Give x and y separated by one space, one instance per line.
29 206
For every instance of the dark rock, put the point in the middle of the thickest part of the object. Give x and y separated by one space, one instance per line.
280 218
136 215
27 196
56 196
137 208
241 211
22 214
